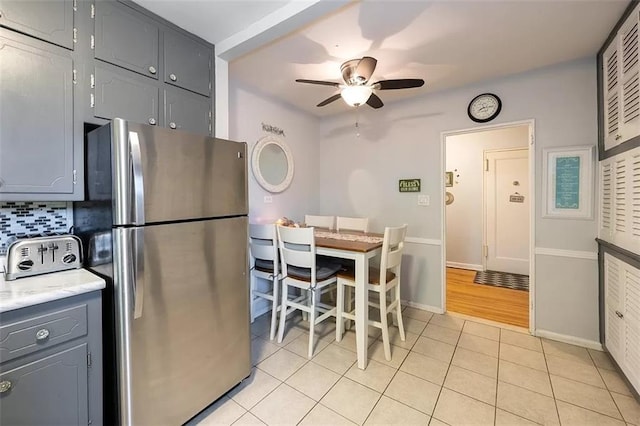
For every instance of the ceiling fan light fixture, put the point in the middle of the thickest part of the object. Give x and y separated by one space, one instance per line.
356 95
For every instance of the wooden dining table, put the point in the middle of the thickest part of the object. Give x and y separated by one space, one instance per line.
359 247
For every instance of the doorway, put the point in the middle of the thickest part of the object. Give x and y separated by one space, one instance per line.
487 235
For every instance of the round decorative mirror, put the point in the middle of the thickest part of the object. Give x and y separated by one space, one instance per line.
272 164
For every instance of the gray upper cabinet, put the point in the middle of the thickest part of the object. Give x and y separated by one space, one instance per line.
51 21
50 391
126 38
187 63
36 123
187 111
125 96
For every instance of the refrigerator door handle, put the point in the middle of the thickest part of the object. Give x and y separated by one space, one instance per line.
138 272
138 185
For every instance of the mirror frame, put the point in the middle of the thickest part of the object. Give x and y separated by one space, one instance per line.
255 163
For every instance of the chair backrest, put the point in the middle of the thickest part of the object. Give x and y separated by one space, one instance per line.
297 248
263 243
320 221
352 224
392 247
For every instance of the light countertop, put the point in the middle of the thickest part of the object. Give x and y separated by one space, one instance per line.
30 291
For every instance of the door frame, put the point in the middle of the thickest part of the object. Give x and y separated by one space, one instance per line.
532 209
485 215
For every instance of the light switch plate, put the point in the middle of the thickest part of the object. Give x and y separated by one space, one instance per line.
423 200
268 199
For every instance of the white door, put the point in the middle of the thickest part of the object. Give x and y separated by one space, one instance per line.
507 211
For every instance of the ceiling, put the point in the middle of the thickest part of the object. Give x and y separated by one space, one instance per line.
446 43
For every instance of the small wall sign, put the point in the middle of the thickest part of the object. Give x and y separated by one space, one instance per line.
409 185
516 198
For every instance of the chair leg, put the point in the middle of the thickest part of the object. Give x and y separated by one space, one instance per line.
399 313
339 310
385 325
312 321
274 309
305 315
350 290
283 311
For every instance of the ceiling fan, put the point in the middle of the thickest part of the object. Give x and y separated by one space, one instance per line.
357 90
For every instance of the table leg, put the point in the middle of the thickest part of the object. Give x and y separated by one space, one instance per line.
362 309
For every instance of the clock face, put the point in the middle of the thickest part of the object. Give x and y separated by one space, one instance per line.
484 107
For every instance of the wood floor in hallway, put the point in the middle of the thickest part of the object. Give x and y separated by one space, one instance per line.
484 301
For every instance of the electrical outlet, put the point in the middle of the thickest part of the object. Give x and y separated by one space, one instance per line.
423 200
268 199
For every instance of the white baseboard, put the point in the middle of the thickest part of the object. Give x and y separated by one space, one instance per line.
470 266
429 308
569 339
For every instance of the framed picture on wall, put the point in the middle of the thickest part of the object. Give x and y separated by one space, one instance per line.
568 182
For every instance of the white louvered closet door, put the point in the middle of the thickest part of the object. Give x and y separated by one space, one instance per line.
629 78
632 324
620 200
610 74
613 322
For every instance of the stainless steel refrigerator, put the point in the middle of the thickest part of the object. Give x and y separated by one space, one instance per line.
165 222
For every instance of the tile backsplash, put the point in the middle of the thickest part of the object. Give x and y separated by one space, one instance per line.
26 218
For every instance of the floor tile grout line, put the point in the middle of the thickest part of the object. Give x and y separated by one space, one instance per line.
495 405
553 392
607 387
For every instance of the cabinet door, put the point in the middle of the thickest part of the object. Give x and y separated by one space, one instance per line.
126 38
49 391
632 324
51 21
629 91
122 95
610 73
187 63
606 199
36 123
614 297
187 111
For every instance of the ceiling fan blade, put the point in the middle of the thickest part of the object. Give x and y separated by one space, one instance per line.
403 83
329 100
323 83
374 101
365 67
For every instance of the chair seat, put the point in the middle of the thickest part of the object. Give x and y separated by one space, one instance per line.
323 271
374 275
264 265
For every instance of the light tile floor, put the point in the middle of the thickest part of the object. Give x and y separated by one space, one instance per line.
448 371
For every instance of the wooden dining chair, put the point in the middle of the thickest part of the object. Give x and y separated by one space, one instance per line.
352 224
327 222
300 270
381 281
264 251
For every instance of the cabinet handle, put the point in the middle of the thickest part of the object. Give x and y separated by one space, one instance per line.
152 69
173 77
42 334
173 125
5 385
618 137
619 314
152 121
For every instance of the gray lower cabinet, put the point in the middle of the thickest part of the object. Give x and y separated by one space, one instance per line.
36 119
51 21
187 63
187 111
51 363
126 38
124 95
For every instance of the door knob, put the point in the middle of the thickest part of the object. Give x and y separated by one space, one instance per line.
152 69
173 77
152 121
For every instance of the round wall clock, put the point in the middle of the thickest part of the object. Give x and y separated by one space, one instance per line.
484 107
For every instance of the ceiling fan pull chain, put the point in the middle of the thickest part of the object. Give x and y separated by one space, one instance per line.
357 126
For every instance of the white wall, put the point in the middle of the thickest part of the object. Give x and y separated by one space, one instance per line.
359 176
465 155
248 109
